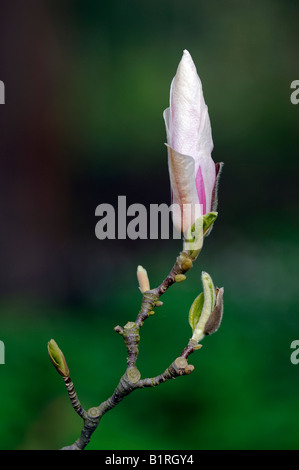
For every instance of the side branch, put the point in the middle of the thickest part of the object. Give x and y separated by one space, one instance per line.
178 368
131 380
131 336
183 263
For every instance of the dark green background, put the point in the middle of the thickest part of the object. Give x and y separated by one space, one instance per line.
86 85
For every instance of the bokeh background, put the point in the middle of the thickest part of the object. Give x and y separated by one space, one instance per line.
86 85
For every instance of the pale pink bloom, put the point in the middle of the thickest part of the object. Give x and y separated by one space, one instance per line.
189 141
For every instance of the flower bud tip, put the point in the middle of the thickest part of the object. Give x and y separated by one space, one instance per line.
57 358
143 280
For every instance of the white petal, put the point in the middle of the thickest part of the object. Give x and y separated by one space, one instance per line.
186 106
188 125
181 171
166 120
205 161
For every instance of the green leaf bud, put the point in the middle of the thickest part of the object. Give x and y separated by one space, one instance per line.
202 308
57 358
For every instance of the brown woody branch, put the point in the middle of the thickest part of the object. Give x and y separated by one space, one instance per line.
131 380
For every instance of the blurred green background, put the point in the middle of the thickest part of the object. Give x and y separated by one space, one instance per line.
86 85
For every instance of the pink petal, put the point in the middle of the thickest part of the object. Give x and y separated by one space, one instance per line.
200 188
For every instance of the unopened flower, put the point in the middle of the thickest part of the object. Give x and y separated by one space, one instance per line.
143 279
192 171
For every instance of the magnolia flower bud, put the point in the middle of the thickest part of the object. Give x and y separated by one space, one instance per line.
143 280
206 311
189 141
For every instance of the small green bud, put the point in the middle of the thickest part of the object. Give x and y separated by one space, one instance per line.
57 358
187 264
202 308
195 310
180 278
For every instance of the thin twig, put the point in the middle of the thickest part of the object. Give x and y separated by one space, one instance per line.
74 398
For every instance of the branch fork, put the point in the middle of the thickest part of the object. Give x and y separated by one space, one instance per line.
204 317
